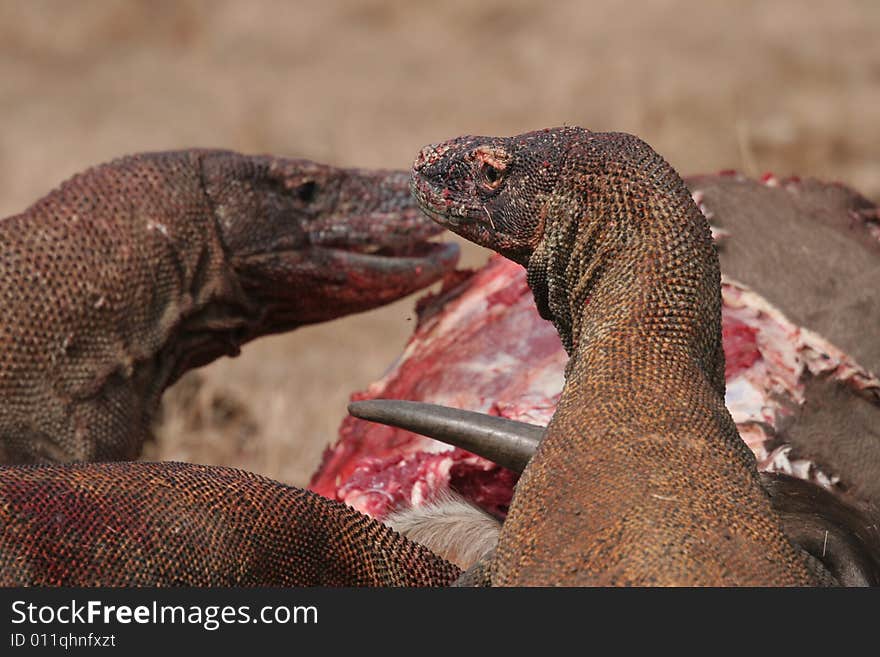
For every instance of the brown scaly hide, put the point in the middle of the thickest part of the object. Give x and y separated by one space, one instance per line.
642 478
134 271
176 524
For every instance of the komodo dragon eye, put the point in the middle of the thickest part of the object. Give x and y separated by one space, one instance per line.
307 191
492 175
493 163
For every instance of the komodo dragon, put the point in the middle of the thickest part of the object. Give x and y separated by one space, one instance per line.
641 477
178 524
135 271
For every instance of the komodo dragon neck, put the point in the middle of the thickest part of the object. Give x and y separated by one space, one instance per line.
641 478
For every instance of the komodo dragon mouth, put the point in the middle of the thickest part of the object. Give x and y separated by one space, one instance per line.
428 257
382 235
325 280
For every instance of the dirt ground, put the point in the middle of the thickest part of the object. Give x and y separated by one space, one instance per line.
788 86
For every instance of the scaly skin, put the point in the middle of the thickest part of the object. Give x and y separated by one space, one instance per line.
135 271
641 478
178 524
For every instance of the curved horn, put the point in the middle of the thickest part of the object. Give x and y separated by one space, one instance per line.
506 442
841 532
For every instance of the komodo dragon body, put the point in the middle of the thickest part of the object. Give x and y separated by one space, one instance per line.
134 271
641 477
177 524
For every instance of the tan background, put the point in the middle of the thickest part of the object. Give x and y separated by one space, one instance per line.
788 86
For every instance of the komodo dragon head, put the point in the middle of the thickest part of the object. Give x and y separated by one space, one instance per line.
311 242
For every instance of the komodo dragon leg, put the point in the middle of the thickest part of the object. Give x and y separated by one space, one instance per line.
641 477
135 271
178 524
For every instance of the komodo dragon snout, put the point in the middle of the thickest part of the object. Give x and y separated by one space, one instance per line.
135 271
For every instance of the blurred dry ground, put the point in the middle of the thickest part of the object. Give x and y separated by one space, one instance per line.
790 86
